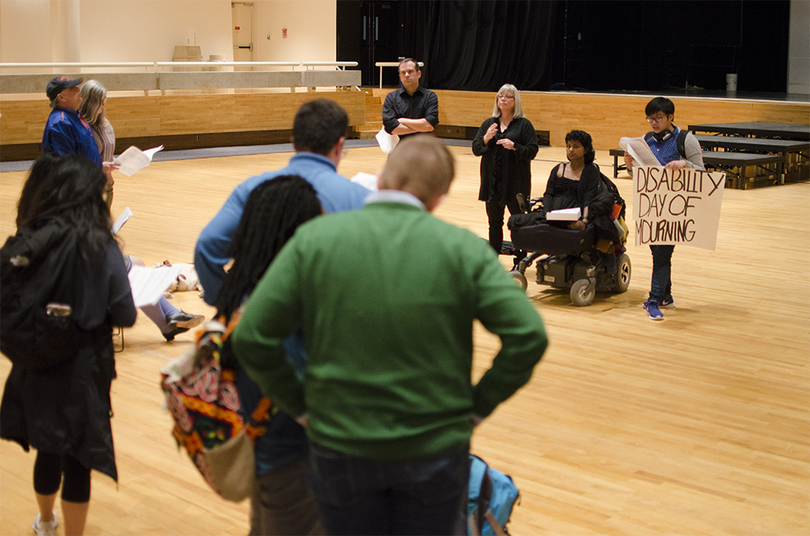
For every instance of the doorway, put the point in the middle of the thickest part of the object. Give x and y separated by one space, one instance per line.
242 24
368 32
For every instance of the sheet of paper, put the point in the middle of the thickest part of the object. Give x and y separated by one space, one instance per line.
122 219
133 159
366 179
149 284
640 151
564 214
387 141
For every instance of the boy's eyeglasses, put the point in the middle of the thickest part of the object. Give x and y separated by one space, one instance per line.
651 119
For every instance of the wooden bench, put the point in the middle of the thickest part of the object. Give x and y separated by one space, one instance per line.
796 154
746 170
616 154
757 129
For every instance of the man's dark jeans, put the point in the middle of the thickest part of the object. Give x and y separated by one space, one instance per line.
361 496
661 286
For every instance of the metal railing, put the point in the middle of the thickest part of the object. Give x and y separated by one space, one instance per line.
185 75
339 65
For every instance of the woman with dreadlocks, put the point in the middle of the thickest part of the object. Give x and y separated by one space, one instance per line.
281 502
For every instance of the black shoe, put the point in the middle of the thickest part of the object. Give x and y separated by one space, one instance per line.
180 323
176 331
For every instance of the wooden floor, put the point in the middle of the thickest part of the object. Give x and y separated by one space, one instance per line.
698 425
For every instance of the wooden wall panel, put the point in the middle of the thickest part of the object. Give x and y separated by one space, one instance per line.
184 114
22 121
134 116
610 117
606 117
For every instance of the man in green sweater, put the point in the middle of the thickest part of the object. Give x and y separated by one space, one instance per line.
386 297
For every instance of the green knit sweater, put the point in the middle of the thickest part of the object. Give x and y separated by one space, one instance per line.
387 297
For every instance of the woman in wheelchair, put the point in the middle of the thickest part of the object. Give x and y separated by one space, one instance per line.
586 254
574 184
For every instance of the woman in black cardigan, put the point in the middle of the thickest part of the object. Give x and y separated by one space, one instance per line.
506 143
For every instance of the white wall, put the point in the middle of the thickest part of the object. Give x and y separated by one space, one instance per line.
148 30
799 48
20 22
311 30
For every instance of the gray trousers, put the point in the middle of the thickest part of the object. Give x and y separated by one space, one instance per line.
282 503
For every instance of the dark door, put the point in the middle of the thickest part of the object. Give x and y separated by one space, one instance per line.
367 32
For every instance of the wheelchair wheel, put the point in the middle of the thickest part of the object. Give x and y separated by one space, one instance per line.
519 278
623 274
582 292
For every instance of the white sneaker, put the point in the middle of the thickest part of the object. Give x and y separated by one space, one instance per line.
45 528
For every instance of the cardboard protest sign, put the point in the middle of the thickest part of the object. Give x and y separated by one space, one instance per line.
677 206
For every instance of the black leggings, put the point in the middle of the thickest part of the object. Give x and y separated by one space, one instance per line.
495 213
48 470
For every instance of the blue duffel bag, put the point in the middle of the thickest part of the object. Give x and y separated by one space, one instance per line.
490 498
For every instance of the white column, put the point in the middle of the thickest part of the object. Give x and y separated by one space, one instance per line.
799 48
65 30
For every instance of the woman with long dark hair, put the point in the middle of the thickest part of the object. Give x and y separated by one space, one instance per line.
64 411
281 502
28 204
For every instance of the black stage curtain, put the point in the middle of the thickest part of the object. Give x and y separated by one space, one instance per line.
595 45
479 45
622 45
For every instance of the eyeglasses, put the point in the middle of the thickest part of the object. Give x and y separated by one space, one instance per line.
505 96
651 119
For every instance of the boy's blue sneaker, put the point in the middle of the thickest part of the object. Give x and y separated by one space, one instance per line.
667 303
653 312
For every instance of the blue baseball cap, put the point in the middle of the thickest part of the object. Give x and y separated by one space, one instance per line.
59 84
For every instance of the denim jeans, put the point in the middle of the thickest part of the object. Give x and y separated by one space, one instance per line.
661 286
362 496
281 503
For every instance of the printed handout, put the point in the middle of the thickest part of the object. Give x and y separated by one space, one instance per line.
122 219
133 159
640 151
387 141
564 214
368 180
148 284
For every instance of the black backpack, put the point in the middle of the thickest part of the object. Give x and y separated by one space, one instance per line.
37 279
609 191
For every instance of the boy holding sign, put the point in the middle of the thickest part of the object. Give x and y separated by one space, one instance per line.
664 144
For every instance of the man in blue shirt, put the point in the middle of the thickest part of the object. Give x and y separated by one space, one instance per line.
319 132
281 502
66 131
